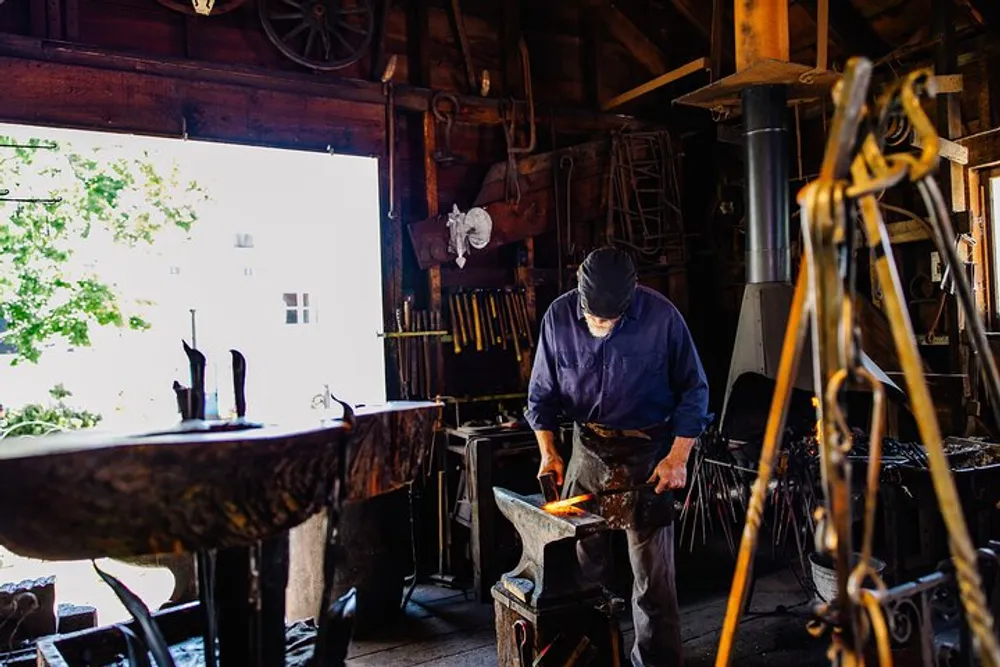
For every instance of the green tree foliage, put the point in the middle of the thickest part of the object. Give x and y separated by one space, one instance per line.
45 296
39 419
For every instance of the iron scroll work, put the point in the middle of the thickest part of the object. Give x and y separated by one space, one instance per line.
854 172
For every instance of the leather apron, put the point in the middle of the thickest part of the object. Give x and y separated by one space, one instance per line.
605 459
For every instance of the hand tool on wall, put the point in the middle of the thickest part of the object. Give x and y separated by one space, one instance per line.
437 324
407 343
523 302
426 319
484 313
442 114
463 43
456 323
463 320
401 362
478 324
390 123
497 313
514 327
470 324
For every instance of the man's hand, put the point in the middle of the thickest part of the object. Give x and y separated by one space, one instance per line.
552 463
671 471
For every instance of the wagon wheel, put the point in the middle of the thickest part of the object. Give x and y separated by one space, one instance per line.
220 6
319 34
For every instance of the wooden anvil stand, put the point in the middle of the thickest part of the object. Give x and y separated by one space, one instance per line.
229 494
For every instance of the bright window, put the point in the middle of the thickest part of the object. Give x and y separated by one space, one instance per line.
304 225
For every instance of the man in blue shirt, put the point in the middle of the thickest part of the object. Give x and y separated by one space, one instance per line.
618 360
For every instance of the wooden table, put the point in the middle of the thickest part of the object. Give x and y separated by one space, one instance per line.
235 491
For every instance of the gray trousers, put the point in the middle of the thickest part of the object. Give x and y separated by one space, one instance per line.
655 612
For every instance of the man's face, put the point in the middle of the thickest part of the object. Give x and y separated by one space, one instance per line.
599 327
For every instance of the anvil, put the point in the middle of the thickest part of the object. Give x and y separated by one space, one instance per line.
548 572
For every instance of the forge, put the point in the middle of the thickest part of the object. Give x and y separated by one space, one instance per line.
767 297
545 604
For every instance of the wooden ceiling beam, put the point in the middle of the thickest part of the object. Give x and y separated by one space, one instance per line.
697 65
45 58
698 13
849 29
988 10
629 35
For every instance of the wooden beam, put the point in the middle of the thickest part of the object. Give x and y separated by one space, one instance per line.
949 112
434 296
71 20
510 37
761 32
593 25
629 35
698 13
717 42
907 231
822 35
951 151
418 42
137 102
989 10
103 67
697 65
984 148
849 29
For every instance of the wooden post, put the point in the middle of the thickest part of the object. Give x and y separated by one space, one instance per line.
433 208
761 32
418 41
592 22
510 54
524 278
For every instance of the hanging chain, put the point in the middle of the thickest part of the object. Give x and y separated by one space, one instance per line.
855 171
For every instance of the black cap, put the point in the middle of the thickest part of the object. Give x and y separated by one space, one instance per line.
607 281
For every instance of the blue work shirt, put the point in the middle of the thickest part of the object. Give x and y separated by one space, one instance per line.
645 372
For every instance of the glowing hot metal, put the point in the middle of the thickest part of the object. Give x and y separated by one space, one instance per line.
567 505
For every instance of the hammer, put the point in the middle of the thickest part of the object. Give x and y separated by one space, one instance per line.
550 490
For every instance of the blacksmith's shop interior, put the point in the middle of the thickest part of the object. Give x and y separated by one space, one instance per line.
499 332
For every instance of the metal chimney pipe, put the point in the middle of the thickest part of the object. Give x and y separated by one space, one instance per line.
767 187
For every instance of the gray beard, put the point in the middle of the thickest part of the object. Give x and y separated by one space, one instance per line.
599 333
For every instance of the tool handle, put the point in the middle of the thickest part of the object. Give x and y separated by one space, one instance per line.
550 490
456 323
476 319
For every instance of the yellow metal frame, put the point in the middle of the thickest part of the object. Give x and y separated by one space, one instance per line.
854 171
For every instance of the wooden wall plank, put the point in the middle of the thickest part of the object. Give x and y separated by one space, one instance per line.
79 97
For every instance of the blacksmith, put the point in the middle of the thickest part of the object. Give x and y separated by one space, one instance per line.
618 360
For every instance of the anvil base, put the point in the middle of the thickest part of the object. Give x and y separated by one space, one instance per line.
588 625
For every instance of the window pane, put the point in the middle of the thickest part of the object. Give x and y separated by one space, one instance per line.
305 316
305 300
291 316
291 299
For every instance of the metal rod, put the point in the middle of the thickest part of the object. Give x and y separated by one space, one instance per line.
791 350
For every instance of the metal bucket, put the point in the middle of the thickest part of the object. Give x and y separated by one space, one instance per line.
824 577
